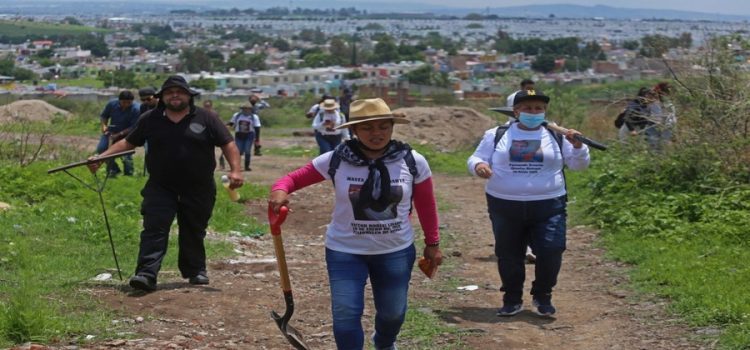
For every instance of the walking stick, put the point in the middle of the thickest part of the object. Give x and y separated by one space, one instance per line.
98 187
560 130
291 334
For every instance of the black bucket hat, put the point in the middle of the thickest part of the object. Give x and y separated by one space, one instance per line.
530 95
176 81
146 92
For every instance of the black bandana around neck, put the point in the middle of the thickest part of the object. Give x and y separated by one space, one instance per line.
377 186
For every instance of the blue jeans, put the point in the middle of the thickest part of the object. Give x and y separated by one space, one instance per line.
539 224
244 144
112 167
389 275
326 142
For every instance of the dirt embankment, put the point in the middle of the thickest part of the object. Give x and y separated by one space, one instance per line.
445 128
32 110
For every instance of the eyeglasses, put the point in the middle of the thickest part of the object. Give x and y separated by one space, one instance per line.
147 99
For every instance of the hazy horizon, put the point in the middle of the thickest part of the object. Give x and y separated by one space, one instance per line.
732 7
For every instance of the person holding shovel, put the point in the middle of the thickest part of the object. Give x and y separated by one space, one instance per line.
370 236
526 198
180 160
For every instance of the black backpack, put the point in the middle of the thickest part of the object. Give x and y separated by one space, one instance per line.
620 120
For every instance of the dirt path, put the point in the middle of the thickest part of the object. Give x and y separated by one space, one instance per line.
595 310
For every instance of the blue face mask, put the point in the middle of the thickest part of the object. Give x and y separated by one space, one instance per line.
531 121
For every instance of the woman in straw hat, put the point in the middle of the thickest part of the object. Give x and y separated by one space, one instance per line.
325 124
374 180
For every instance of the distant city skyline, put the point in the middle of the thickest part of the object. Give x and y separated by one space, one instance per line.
736 7
726 7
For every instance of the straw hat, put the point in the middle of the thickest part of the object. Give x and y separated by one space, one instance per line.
329 105
361 111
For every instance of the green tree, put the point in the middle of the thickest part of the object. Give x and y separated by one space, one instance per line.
257 62
685 40
281 44
24 74
631 44
124 79
655 45
319 60
94 43
7 64
544 63
408 52
45 53
195 60
72 21
421 75
339 49
207 84
385 51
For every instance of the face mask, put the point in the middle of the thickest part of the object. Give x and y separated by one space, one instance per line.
531 121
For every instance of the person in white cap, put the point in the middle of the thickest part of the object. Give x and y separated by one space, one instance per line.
527 198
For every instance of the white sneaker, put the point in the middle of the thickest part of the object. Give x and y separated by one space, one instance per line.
530 257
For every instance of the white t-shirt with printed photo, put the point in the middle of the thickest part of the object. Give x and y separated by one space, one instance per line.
359 226
527 164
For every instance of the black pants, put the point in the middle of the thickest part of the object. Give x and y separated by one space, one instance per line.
159 208
540 224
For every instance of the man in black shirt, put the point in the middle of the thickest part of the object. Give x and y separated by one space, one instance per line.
180 160
148 100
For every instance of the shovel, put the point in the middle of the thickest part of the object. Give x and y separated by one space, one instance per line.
291 334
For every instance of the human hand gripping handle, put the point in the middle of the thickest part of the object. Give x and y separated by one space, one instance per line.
276 217
276 200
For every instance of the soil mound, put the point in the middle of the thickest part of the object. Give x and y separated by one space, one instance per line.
32 110
445 128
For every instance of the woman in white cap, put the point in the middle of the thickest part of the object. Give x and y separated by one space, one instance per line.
326 124
370 236
527 198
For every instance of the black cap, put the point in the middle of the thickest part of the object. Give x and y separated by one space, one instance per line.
529 95
176 81
126 95
146 92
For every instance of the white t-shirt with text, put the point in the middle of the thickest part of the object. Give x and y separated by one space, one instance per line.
359 226
527 164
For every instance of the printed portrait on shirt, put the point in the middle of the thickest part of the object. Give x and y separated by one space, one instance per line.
529 151
245 126
369 209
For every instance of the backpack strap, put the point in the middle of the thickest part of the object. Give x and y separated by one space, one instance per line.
333 165
499 132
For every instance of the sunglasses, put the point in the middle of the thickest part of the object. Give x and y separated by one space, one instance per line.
147 99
